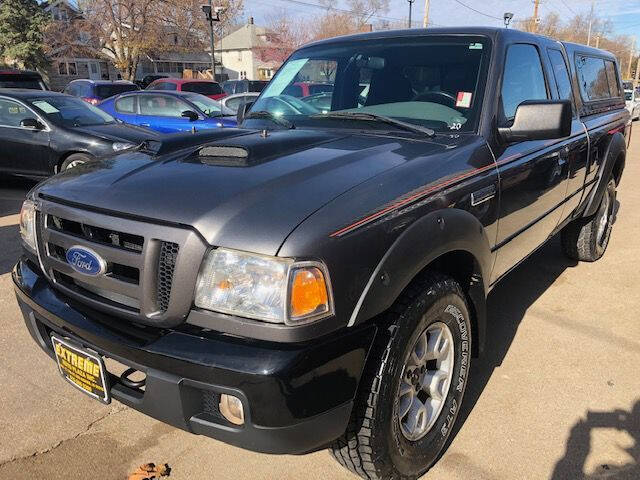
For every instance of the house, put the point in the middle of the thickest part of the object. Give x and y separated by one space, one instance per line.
65 64
240 53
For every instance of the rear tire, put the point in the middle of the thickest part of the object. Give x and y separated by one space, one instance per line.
390 435
74 160
586 239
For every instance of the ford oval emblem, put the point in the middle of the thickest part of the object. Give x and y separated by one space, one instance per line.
86 261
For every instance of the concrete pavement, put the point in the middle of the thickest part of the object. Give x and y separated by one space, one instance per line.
557 395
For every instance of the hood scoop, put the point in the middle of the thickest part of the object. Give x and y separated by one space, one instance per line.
223 156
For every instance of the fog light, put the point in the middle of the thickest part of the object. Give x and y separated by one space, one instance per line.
231 409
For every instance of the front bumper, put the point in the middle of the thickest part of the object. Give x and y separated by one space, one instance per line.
296 397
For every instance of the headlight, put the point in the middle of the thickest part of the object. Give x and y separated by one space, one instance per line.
117 146
28 223
272 289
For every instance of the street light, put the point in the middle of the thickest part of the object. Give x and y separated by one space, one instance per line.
410 5
508 16
213 15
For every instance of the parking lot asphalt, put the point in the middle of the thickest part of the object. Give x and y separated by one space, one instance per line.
557 395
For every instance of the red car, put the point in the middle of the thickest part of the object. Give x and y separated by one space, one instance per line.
208 88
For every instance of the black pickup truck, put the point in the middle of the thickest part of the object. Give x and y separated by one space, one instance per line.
318 278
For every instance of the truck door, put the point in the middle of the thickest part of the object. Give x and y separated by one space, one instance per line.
533 174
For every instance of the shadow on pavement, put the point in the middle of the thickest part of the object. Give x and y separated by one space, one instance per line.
12 193
507 305
571 466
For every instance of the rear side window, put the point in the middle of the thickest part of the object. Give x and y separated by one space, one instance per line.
561 75
126 105
612 76
523 78
592 77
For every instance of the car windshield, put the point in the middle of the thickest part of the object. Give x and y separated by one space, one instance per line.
106 91
430 81
209 107
205 88
71 111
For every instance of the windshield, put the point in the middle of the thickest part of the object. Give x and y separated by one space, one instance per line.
106 91
431 81
205 88
209 107
71 111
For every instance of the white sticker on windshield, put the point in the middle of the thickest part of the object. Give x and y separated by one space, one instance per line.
284 77
46 107
475 46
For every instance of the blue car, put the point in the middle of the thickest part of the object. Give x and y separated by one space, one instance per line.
169 112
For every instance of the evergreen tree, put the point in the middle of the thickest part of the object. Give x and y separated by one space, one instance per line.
22 25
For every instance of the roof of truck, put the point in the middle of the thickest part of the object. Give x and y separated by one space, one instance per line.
503 34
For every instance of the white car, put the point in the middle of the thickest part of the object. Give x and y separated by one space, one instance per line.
632 100
233 102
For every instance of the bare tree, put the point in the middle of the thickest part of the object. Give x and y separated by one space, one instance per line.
123 31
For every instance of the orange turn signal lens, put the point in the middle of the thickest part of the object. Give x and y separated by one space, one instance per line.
308 293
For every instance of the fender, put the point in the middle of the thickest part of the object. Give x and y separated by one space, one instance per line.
430 237
616 146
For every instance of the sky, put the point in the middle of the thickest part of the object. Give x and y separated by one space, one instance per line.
624 14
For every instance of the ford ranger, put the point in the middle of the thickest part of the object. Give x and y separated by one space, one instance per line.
318 278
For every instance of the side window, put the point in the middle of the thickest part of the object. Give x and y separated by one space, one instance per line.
161 105
592 77
164 86
71 90
523 78
12 113
84 90
126 105
561 75
234 103
612 76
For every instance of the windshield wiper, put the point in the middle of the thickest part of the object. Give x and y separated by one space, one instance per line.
264 114
373 117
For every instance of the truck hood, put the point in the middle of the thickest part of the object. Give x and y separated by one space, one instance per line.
240 189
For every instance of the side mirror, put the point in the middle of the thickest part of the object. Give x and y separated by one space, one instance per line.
242 111
539 120
31 123
191 115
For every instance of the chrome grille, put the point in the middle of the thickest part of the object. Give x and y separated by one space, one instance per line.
143 263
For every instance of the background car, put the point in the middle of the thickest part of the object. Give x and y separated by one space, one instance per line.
169 112
632 101
12 78
148 79
233 102
95 91
321 101
287 105
46 132
208 88
232 87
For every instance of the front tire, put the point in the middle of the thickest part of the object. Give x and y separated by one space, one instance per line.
74 160
586 239
412 388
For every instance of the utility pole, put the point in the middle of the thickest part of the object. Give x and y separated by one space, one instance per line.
410 5
213 15
536 5
425 19
631 53
590 22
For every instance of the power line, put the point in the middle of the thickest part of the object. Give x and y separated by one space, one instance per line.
477 11
568 7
